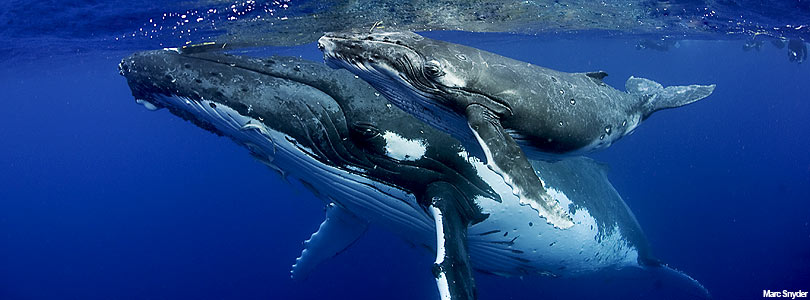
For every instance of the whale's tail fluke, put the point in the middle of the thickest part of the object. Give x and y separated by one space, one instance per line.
658 97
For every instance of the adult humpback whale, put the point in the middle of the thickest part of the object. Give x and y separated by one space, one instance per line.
371 163
502 104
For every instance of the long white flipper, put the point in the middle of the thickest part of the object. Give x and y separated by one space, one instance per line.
452 268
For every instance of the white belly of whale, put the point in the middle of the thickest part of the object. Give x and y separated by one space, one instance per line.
524 242
537 249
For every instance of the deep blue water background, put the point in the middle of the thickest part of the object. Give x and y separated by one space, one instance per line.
101 199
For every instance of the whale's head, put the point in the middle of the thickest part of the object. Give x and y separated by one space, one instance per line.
205 87
381 58
273 106
287 110
433 80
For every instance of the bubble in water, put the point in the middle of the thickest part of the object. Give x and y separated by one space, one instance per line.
608 129
573 101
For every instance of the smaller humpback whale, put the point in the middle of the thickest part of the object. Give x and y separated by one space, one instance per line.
373 164
502 104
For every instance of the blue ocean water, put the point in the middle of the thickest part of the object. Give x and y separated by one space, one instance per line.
101 199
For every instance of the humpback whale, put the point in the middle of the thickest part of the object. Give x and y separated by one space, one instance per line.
504 106
374 165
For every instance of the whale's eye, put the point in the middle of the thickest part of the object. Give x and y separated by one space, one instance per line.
369 138
433 68
364 131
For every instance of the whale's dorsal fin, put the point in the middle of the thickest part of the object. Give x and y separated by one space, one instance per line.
337 232
598 75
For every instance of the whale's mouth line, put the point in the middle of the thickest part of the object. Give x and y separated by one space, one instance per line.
425 88
332 54
239 65
250 69
388 42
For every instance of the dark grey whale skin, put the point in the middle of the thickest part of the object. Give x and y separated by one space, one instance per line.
511 109
349 137
337 118
547 110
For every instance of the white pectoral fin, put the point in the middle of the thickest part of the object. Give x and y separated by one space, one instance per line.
337 232
505 157
451 269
